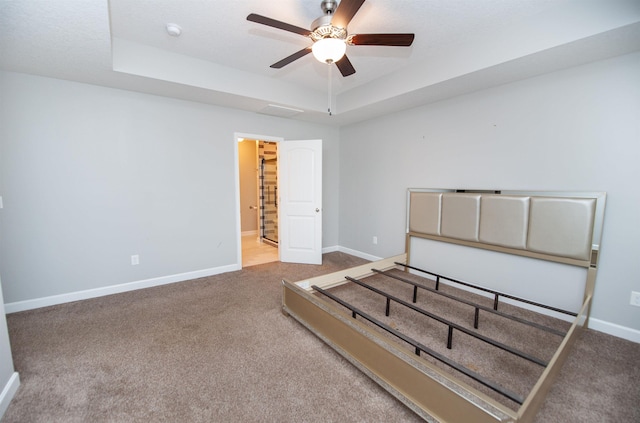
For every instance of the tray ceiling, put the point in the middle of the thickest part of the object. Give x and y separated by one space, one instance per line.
221 58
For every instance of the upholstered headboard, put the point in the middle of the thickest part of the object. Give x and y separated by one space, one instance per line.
554 226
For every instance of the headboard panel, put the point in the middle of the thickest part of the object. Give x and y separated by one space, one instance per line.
553 226
505 221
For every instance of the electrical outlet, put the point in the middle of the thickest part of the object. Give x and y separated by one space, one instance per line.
635 298
135 260
375 240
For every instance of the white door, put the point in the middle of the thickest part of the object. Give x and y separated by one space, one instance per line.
300 212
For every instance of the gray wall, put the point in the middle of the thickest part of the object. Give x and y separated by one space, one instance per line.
92 175
6 361
577 129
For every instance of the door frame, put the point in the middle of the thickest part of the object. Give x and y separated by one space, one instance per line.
236 136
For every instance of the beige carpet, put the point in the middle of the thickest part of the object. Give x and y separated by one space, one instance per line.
218 349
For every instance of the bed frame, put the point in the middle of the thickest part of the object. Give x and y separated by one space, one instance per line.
543 227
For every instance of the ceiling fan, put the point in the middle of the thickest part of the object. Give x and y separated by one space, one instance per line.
330 37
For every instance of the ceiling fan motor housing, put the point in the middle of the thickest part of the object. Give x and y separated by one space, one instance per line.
327 31
322 28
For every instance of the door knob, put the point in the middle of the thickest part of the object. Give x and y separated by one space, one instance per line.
317 210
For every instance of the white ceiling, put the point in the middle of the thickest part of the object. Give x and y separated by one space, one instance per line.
221 58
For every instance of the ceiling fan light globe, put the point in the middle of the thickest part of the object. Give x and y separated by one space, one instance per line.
329 50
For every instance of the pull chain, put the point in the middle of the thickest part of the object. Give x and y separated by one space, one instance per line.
330 66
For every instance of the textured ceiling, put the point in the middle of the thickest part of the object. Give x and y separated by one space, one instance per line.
221 58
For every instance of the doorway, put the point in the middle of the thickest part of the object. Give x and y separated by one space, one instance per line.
258 192
299 200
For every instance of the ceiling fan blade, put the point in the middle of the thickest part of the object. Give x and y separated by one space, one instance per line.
345 12
289 59
345 66
397 40
278 24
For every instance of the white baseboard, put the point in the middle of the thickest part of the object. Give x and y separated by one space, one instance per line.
8 392
115 289
359 254
615 330
333 249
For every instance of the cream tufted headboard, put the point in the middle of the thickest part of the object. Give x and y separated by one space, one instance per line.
563 227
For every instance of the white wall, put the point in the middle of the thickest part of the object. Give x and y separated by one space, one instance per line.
92 175
577 129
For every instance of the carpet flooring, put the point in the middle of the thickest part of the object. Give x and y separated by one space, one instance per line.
218 349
